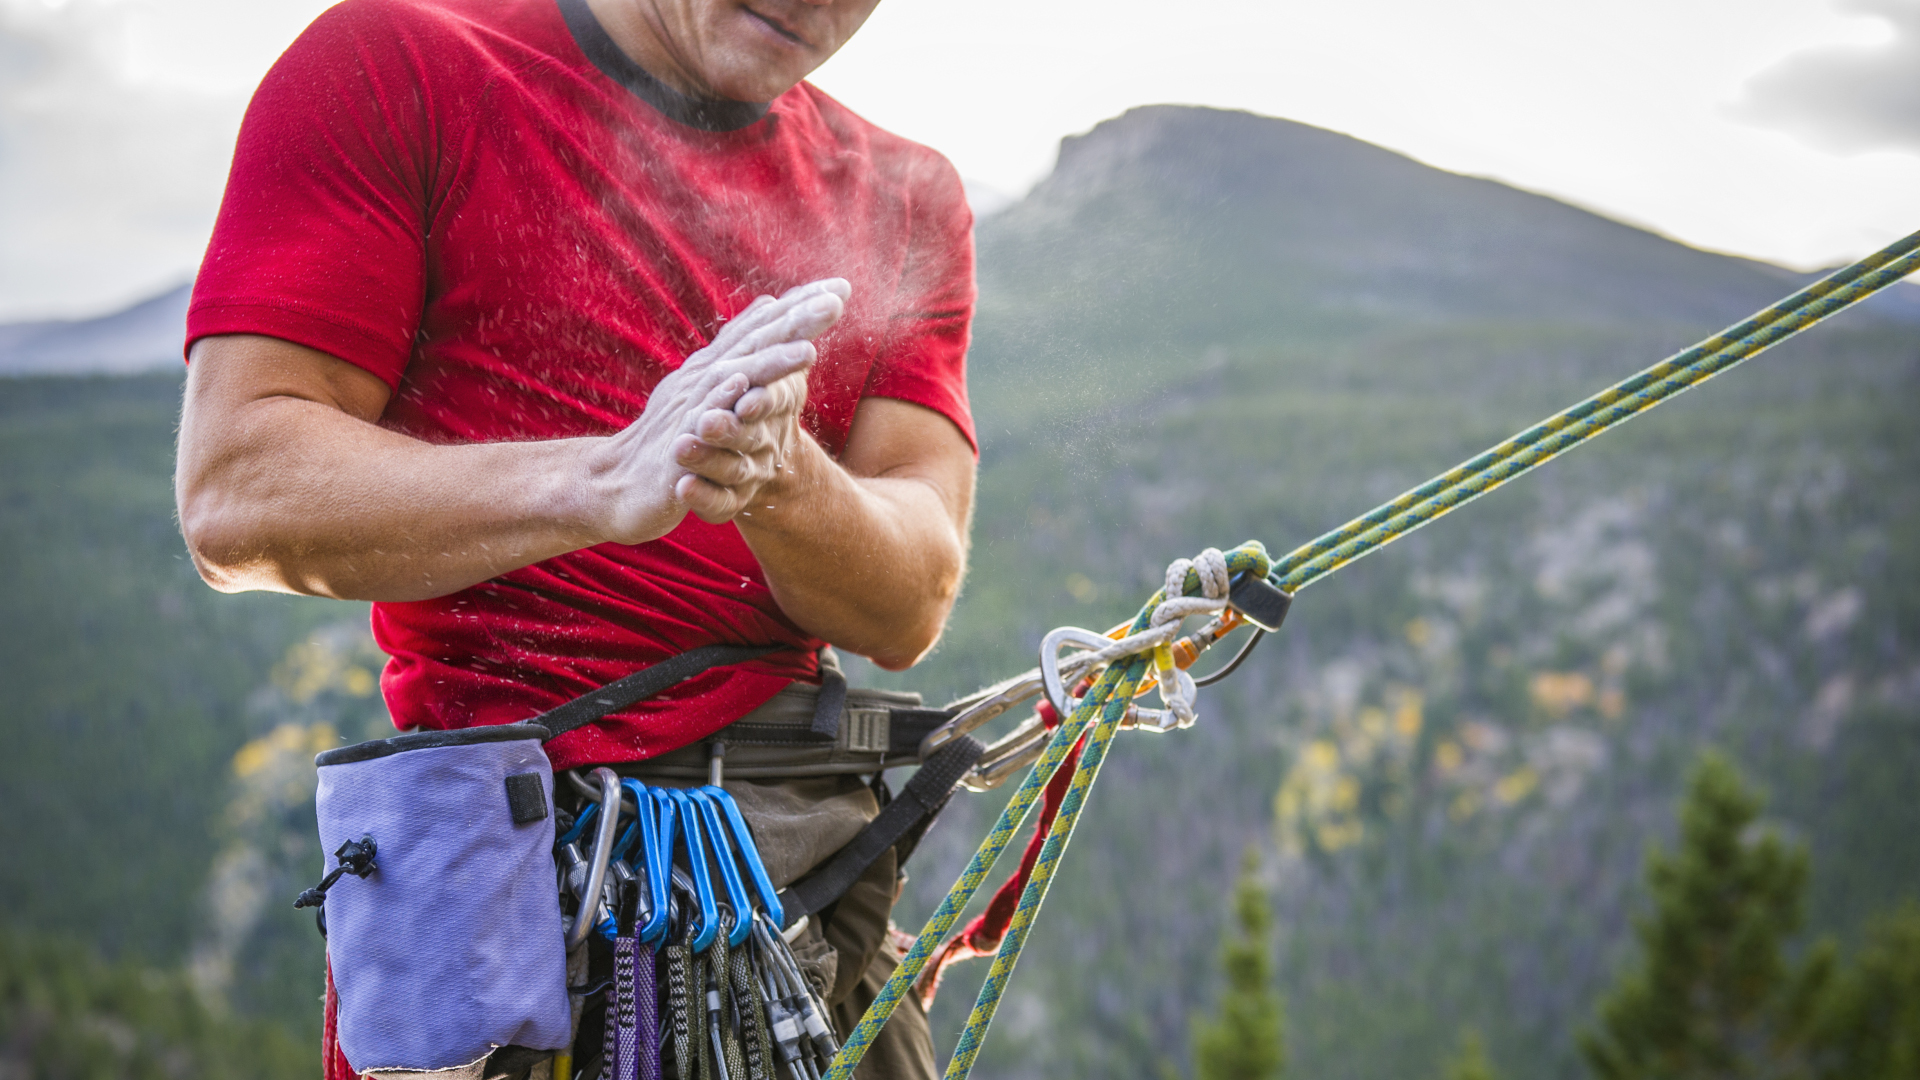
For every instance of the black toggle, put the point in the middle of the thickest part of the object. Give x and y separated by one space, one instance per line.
356 858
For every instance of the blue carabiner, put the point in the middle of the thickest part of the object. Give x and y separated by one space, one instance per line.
654 861
579 825
669 817
729 870
743 841
697 863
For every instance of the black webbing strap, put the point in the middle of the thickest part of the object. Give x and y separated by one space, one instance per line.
921 798
645 683
833 697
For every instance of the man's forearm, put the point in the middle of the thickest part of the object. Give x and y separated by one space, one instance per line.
409 521
870 563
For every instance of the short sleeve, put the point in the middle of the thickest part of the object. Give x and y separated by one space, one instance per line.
321 237
926 358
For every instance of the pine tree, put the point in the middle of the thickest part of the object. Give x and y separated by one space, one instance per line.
1713 995
1244 1042
1471 1062
1869 1028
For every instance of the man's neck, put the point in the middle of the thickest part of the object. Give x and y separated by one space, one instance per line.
636 28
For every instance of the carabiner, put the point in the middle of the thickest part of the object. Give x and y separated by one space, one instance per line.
729 871
750 852
603 836
654 860
978 709
697 863
1058 687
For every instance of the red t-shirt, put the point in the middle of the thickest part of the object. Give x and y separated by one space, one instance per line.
487 205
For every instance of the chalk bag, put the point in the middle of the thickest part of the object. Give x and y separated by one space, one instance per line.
443 923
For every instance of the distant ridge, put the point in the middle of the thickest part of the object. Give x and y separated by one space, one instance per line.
1217 219
143 337
1294 218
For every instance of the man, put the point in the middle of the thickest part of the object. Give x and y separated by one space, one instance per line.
477 339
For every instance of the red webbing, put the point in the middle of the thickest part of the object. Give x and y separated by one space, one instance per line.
981 937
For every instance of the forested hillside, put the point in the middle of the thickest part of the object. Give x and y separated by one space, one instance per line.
1204 327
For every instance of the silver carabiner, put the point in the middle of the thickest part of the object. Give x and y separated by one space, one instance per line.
1051 675
1020 748
606 829
997 700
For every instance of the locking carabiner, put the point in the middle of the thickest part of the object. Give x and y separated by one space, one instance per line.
609 824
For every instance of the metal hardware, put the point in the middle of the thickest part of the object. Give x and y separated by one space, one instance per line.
1259 602
737 897
608 827
750 853
978 710
1054 676
696 862
1010 755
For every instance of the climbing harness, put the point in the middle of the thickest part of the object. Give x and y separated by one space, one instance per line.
1145 651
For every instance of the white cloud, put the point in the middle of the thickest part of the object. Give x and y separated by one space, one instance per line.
1618 107
117 116
117 120
107 187
1848 98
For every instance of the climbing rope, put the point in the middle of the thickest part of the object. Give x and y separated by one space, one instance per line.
1197 587
1559 433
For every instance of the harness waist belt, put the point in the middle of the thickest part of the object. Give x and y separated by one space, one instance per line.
875 730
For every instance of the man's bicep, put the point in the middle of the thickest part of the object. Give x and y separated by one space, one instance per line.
231 371
899 439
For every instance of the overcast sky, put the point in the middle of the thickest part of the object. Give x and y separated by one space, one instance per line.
1786 130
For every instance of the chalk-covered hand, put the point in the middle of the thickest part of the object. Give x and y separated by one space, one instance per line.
714 431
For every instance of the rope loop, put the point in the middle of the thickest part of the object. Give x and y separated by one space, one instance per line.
1211 568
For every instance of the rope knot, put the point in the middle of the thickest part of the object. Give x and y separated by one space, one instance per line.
1210 566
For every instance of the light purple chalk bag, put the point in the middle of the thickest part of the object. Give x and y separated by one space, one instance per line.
452 945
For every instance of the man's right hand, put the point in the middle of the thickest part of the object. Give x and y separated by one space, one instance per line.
715 430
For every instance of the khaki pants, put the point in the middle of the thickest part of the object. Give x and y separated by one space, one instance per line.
800 824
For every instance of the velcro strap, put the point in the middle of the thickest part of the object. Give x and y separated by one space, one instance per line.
921 798
645 683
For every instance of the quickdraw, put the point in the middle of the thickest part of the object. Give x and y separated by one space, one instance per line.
736 1003
1094 689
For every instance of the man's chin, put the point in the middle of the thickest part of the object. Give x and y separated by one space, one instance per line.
759 78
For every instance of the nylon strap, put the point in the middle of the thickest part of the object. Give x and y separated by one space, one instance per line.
917 802
833 697
623 1015
611 698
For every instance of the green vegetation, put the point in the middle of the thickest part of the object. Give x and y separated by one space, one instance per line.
1869 1023
1460 747
1470 1063
67 1015
1714 994
1244 1040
